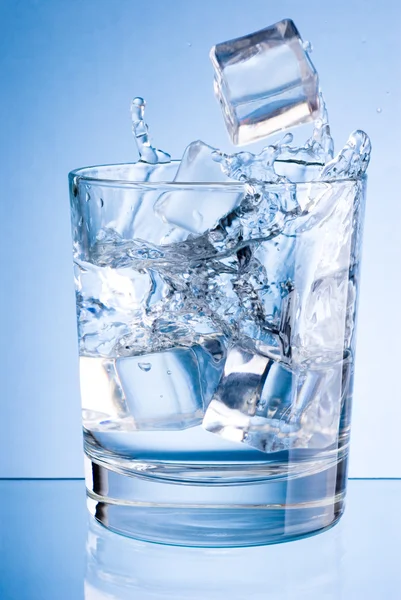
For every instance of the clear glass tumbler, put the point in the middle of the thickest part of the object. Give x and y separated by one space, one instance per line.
216 329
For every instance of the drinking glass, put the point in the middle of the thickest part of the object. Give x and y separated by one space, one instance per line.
216 326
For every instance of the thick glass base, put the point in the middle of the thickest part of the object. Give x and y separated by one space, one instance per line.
192 513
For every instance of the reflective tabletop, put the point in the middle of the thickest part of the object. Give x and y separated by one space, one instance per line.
51 550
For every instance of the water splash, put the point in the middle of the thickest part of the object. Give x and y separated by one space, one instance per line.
244 166
307 46
321 143
352 161
140 129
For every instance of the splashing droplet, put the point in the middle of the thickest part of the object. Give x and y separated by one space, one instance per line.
140 129
307 46
287 139
352 160
145 366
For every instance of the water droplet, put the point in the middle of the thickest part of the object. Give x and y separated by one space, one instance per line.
87 196
379 109
147 152
161 395
388 92
145 366
168 372
307 46
364 40
189 44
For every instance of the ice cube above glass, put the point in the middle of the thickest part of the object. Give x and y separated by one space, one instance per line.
216 307
265 82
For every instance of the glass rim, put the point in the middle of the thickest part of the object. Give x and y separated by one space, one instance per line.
231 185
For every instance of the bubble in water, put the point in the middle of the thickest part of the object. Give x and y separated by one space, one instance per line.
145 366
379 109
140 129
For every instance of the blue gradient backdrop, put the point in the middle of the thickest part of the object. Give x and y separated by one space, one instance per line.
68 71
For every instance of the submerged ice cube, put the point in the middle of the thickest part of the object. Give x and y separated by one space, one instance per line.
190 208
163 390
265 82
267 405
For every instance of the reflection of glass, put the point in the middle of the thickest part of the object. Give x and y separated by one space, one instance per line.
120 568
217 365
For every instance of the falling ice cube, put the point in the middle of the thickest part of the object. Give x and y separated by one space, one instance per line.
265 82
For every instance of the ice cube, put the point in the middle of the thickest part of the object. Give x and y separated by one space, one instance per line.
234 403
198 164
267 405
101 393
168 390
322 301
265 82
211 356
193 209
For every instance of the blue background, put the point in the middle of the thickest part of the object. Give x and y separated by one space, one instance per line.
68 71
